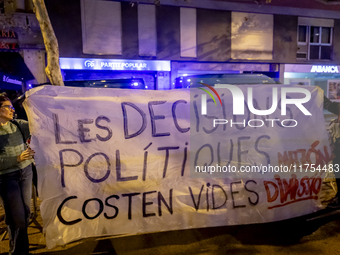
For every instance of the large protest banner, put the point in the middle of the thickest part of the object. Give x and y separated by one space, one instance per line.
122 162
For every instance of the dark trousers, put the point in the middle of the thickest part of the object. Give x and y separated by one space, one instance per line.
15 193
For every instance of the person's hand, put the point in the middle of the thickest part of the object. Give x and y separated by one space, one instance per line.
26 155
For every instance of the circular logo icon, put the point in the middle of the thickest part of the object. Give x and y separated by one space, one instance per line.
89 63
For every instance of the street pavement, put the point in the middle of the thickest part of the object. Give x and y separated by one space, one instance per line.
295 236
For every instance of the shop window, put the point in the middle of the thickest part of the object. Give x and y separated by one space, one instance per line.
314 43
101 27
188 32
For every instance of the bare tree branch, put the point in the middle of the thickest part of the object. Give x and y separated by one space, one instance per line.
51 44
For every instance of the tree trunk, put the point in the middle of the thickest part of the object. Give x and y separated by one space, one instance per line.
52 69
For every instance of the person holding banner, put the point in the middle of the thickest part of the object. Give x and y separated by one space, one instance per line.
333 107
15 177
334 129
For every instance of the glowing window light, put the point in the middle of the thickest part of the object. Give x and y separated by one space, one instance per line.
78 66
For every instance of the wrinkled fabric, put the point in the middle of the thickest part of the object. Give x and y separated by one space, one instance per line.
123 162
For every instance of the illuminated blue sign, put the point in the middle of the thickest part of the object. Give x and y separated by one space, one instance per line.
5 78
10 80
311 68
114 64
324 69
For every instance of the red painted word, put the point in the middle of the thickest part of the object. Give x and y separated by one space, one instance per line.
306 188
303 156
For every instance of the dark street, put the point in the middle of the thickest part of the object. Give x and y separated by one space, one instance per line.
295 236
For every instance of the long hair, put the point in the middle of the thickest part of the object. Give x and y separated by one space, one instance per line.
3 98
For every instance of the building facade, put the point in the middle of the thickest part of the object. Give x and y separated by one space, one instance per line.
22 50
159 42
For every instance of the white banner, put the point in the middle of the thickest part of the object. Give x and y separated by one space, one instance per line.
122 162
